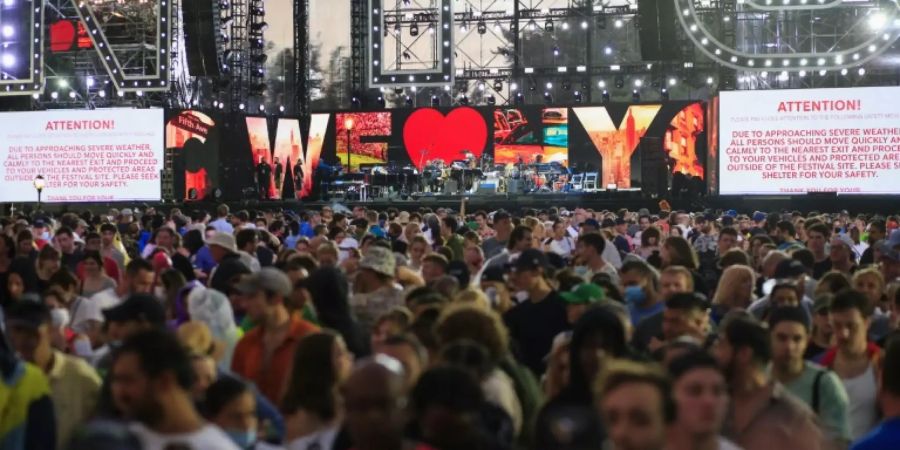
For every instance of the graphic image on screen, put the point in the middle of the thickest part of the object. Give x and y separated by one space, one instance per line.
519 137
362 124
83 155
616 143
191 136
681 141
799 141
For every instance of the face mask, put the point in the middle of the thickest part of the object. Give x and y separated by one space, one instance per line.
522 296
159 292
243 439
45 236
581 271
635 295
82 348
60 317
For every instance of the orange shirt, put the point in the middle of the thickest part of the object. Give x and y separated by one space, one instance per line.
269 376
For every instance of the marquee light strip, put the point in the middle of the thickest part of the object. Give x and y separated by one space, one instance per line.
704 40
791 5
124 82
35 56
444 36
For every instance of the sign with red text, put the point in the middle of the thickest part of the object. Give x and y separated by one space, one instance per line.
101 155
791 142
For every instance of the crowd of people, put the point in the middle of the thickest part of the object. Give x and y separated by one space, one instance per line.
550 329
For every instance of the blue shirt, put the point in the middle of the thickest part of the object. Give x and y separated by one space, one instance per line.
221 225
884 436
638 314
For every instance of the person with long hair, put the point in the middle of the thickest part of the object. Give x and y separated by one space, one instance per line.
330 295
677 251
311 403
735 291
95 277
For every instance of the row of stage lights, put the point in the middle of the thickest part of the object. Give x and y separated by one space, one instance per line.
481 26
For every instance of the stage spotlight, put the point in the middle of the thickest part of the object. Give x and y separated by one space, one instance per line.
555 50
498 85
414 29
54 95
605 96
71 94
664 94
620 81
548 25
548 98
577 95
520 98
242 106
463 99
567 85
408 100
491 100
262 108
280 108
380 102
435 101
355 102
635 96
102 94
482 27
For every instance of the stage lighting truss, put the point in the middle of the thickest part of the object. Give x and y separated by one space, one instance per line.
397 57
790 35
21 44
133 40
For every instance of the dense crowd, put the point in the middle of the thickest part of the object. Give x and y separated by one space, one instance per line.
451 330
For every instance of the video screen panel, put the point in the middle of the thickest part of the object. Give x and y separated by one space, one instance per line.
83 155
810 140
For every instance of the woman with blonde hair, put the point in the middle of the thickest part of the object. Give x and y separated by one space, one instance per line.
735 291
473 297
871 283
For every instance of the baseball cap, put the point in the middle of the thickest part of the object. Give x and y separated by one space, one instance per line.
731 212
584 294
501 215
888 247
224 240
493 274
620 221
530 259
127 212
591 223
759 216
138 307
608 223
380 260
789 268
27 314
267 279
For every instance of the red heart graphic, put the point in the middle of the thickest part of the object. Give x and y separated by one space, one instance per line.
429 135
62 35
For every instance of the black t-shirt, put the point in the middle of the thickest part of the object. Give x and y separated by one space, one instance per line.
71 260
533 325
821 267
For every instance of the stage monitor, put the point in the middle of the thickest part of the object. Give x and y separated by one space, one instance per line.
795 142
102 155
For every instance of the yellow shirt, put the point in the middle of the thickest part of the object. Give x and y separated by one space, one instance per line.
74 389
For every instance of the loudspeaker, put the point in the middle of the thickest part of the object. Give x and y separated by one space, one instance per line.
654 169
657 30
201 19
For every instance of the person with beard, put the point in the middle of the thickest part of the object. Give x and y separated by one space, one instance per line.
701 402
151 379
764 415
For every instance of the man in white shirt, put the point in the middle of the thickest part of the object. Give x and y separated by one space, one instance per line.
150 383
561 243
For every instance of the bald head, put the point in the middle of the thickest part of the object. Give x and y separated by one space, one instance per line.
375 399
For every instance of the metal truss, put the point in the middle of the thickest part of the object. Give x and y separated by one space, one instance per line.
301 54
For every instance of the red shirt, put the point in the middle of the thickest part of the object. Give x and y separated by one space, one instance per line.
270 376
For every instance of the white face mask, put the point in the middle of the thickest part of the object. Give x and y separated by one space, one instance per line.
59 317
522 296
159 292
82 348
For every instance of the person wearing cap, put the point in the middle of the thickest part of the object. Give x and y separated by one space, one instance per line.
534 322
503 228
819 388
889 259
223 249
74 384
841 255
787 270
264 354
580 299
376 292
